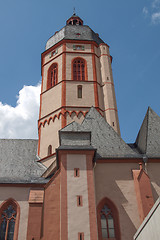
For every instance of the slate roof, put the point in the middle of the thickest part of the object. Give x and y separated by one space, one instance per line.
18 161
148 139
103 137
72 32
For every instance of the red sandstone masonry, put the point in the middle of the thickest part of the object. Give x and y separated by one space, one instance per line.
51 215
143 192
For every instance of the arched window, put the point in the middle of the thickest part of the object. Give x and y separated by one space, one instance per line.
108 222
9 218
79 69
52 76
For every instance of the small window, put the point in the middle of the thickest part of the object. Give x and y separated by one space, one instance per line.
78 47
113 124
80 236
79 201
76 172
53 53
107 78
79 91
49 150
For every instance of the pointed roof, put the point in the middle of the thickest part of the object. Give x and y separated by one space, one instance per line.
103 137
148 139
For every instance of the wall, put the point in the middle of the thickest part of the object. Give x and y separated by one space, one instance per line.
115 181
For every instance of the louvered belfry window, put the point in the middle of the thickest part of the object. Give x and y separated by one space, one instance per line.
7 222
79 70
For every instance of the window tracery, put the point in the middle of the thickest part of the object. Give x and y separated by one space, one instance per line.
52 76
79 69
8 220
108 220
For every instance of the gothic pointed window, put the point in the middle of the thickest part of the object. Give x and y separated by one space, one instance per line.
108 223
79 69
52 76
9 220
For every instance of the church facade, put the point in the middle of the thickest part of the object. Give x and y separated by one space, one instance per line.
79 180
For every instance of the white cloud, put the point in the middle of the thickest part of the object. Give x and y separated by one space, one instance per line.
153 11
156 4
145 10
21 121
155 18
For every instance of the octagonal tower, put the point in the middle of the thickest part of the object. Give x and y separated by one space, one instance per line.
76 74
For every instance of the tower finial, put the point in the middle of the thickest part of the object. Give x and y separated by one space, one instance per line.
74 11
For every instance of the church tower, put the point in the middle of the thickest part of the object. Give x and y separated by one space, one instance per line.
76 75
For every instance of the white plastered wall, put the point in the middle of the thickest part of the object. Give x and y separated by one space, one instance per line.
78 217
49 136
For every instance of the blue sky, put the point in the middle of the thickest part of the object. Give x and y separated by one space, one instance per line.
131 28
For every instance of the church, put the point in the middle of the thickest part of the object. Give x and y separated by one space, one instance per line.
79 180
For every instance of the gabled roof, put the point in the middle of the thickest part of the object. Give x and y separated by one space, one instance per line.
103 137
18 161
148 139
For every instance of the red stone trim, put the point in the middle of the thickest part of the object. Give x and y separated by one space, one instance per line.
70 81
15 203
22 185
45 158
78 52
95 77
63 114
118 160
39 140
68 41
91 198
63 97
108 83
113 207
114 109
64 214
40 109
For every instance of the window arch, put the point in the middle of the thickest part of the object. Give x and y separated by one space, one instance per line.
9 220
52 75
108 220
79 69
